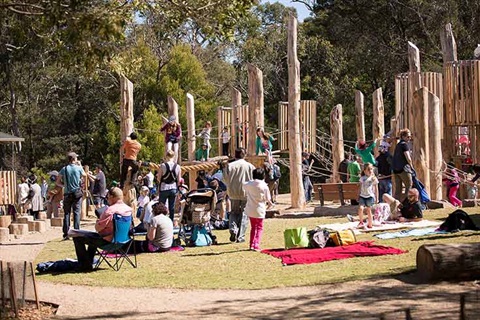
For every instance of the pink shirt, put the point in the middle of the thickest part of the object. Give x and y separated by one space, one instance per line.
104 225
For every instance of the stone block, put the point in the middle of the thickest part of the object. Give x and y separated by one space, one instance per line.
31 226
48 223
56 222
4 235
42 215
5 221
19 229
37 226
24 219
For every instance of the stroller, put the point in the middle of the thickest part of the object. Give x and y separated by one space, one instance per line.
196 213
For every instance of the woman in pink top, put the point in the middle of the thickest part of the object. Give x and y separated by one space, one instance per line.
258 198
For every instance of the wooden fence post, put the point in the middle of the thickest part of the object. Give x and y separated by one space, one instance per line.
378 129
435 147
360 115
190 135
336 131
255 105
420 132
126 109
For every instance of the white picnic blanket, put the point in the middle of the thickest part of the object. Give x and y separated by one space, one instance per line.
386 226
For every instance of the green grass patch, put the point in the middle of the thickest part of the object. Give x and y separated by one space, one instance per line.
232 266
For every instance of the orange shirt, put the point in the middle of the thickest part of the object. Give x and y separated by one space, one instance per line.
131 149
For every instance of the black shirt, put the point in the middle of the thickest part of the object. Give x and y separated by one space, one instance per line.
383 163
411 210
343 170
399 159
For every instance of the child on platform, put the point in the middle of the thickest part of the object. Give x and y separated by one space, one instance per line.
258 200
368 182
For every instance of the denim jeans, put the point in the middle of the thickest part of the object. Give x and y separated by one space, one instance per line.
237 220
308 187
169 195
70 203
384 186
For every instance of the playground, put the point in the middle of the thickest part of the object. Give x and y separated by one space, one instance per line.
229 281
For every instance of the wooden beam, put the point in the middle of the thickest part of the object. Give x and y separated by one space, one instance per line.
126 110
255 105
191 141
236 106
420 132
336 132
435 147
360 115
297 192
378 129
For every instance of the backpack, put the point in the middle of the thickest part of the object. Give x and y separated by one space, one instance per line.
169 176
200 237
276 172
343 237
458 220
319 238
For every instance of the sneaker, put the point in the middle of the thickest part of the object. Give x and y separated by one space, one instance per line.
349 218
240 240
65 238
233 237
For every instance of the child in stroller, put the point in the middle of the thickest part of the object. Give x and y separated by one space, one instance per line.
195 217
217 218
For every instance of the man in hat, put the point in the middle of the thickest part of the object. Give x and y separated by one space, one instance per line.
70 178
104 228
130 149
173 133
202 153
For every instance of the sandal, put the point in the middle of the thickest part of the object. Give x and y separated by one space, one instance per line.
360 225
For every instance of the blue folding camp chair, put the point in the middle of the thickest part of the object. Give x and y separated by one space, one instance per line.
120 246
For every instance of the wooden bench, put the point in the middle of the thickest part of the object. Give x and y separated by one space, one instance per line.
336 192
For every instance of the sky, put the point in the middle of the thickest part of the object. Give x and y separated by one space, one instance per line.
301 9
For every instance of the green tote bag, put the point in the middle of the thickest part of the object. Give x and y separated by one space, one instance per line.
296 238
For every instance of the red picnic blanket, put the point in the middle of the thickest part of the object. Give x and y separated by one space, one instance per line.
316 255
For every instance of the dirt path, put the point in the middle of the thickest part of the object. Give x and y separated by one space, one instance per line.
357 299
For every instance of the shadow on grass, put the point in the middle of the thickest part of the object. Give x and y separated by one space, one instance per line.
448 236
206 254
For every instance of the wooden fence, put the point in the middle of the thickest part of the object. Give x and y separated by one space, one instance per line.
404 112
308 125
8 187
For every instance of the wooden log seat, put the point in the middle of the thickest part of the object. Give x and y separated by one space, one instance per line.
448 261
336 192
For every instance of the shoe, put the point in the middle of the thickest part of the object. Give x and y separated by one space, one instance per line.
360 225
349 218
233 237
65 238
240 240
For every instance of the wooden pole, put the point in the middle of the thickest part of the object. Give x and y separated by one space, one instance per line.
449 52
126 109
297 192
173 111
420 134
34 280
13 291
414 79
336 131
360 115
378 117
2 278
236 105
435 147
255 105
191 141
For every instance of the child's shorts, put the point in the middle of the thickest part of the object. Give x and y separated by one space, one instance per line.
366 202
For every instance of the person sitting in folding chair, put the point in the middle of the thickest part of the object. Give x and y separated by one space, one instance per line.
104 228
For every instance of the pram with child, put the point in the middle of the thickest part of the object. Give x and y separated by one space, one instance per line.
194 220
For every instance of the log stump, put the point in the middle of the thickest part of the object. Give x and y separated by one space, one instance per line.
18 229
448 261
42 215
5 221
56 222
24 219
4 235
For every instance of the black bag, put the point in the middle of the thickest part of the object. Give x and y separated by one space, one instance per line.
318 238
458 220
170 175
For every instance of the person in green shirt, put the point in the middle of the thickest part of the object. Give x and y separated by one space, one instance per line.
202 153
365 151
354 170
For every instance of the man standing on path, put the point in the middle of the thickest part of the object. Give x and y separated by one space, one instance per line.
402 165
104 227
130 149
99 186
234 175
70 177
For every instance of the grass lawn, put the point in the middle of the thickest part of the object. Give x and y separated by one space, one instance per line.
232 266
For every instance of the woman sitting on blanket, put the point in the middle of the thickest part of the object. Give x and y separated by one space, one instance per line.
159 231
408 210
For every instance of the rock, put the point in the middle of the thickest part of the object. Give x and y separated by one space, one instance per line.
24 219
42 215
439 204
468 203
56 222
